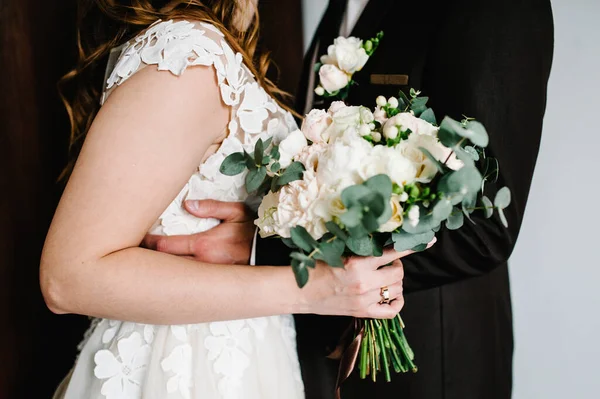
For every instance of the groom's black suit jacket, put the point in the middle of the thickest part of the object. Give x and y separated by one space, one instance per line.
490 60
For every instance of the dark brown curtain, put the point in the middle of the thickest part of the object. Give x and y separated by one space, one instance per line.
37 46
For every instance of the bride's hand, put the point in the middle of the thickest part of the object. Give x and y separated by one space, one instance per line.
228 243
355 290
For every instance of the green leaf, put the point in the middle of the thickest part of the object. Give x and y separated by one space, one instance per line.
419 105
466 180
353 194
275 153
360 246
488 207
426 223
381 184
467 214
352 217
370 222
456 220
292 173
403 100
502 199
331 252
464 156
234 164
336 230
404 241
420 248
442 209
447 135
429 116
475 132
275 167
299 256
255 179
303 239
502 217
300 272
433 159
267 142
250 164
472 152
259 151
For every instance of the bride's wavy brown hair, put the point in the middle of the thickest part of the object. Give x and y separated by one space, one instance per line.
105 24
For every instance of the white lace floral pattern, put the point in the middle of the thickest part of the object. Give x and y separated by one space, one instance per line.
212 360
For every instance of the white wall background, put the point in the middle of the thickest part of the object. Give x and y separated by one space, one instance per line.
555 269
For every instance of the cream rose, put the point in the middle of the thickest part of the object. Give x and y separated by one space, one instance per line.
388 161
309 156
426 170
397 216
347 53
406 120
332 78
315 124
339 164
267 221
290 147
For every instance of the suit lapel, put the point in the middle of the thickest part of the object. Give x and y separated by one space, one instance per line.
371 18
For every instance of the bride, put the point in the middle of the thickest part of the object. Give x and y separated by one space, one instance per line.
179 96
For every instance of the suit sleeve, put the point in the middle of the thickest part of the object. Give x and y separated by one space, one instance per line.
496 69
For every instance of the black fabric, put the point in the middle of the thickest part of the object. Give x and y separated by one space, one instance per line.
490 60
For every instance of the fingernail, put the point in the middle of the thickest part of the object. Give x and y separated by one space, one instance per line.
192 205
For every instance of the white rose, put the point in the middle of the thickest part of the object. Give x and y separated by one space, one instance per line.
329 203
332 78
310 155
406 120
297 203
397 217
346 121
388 161
336 106
267 221
366 115
290 147
315 124
347 53
340 162
426 170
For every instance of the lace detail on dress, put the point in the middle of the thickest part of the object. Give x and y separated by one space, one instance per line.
192 360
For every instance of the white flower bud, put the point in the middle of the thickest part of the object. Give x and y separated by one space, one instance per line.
376 137
391 132
364 130
381 101
404 197
393 102
319 91
413 215
372 126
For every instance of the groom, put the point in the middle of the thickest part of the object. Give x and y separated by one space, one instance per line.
487 59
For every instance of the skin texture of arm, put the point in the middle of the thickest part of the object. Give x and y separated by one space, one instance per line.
151 133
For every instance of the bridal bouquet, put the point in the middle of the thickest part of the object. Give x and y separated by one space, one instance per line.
355 180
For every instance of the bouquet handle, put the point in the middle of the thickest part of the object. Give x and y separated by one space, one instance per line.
347 354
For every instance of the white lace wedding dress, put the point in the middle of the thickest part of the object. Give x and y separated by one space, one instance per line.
250 359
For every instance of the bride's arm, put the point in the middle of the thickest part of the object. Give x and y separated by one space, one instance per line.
144 144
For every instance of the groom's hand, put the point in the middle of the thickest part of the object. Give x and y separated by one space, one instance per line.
228 243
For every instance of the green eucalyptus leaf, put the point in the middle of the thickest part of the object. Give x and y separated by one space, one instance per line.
419 105
429 116
255 178
466 180
426 223
259 151
442 209
477 134
233 165
331 252
289 243
381 184
472 152
250 164
303 239
336 231
360 246
370 222
464 156
267 142
403 100
353 194
419 248
275 167
502 217
467 213
292 173
456 220
447 134
300 272
352 217
404 241
433 159
488 207
502 199
308 261
275 153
